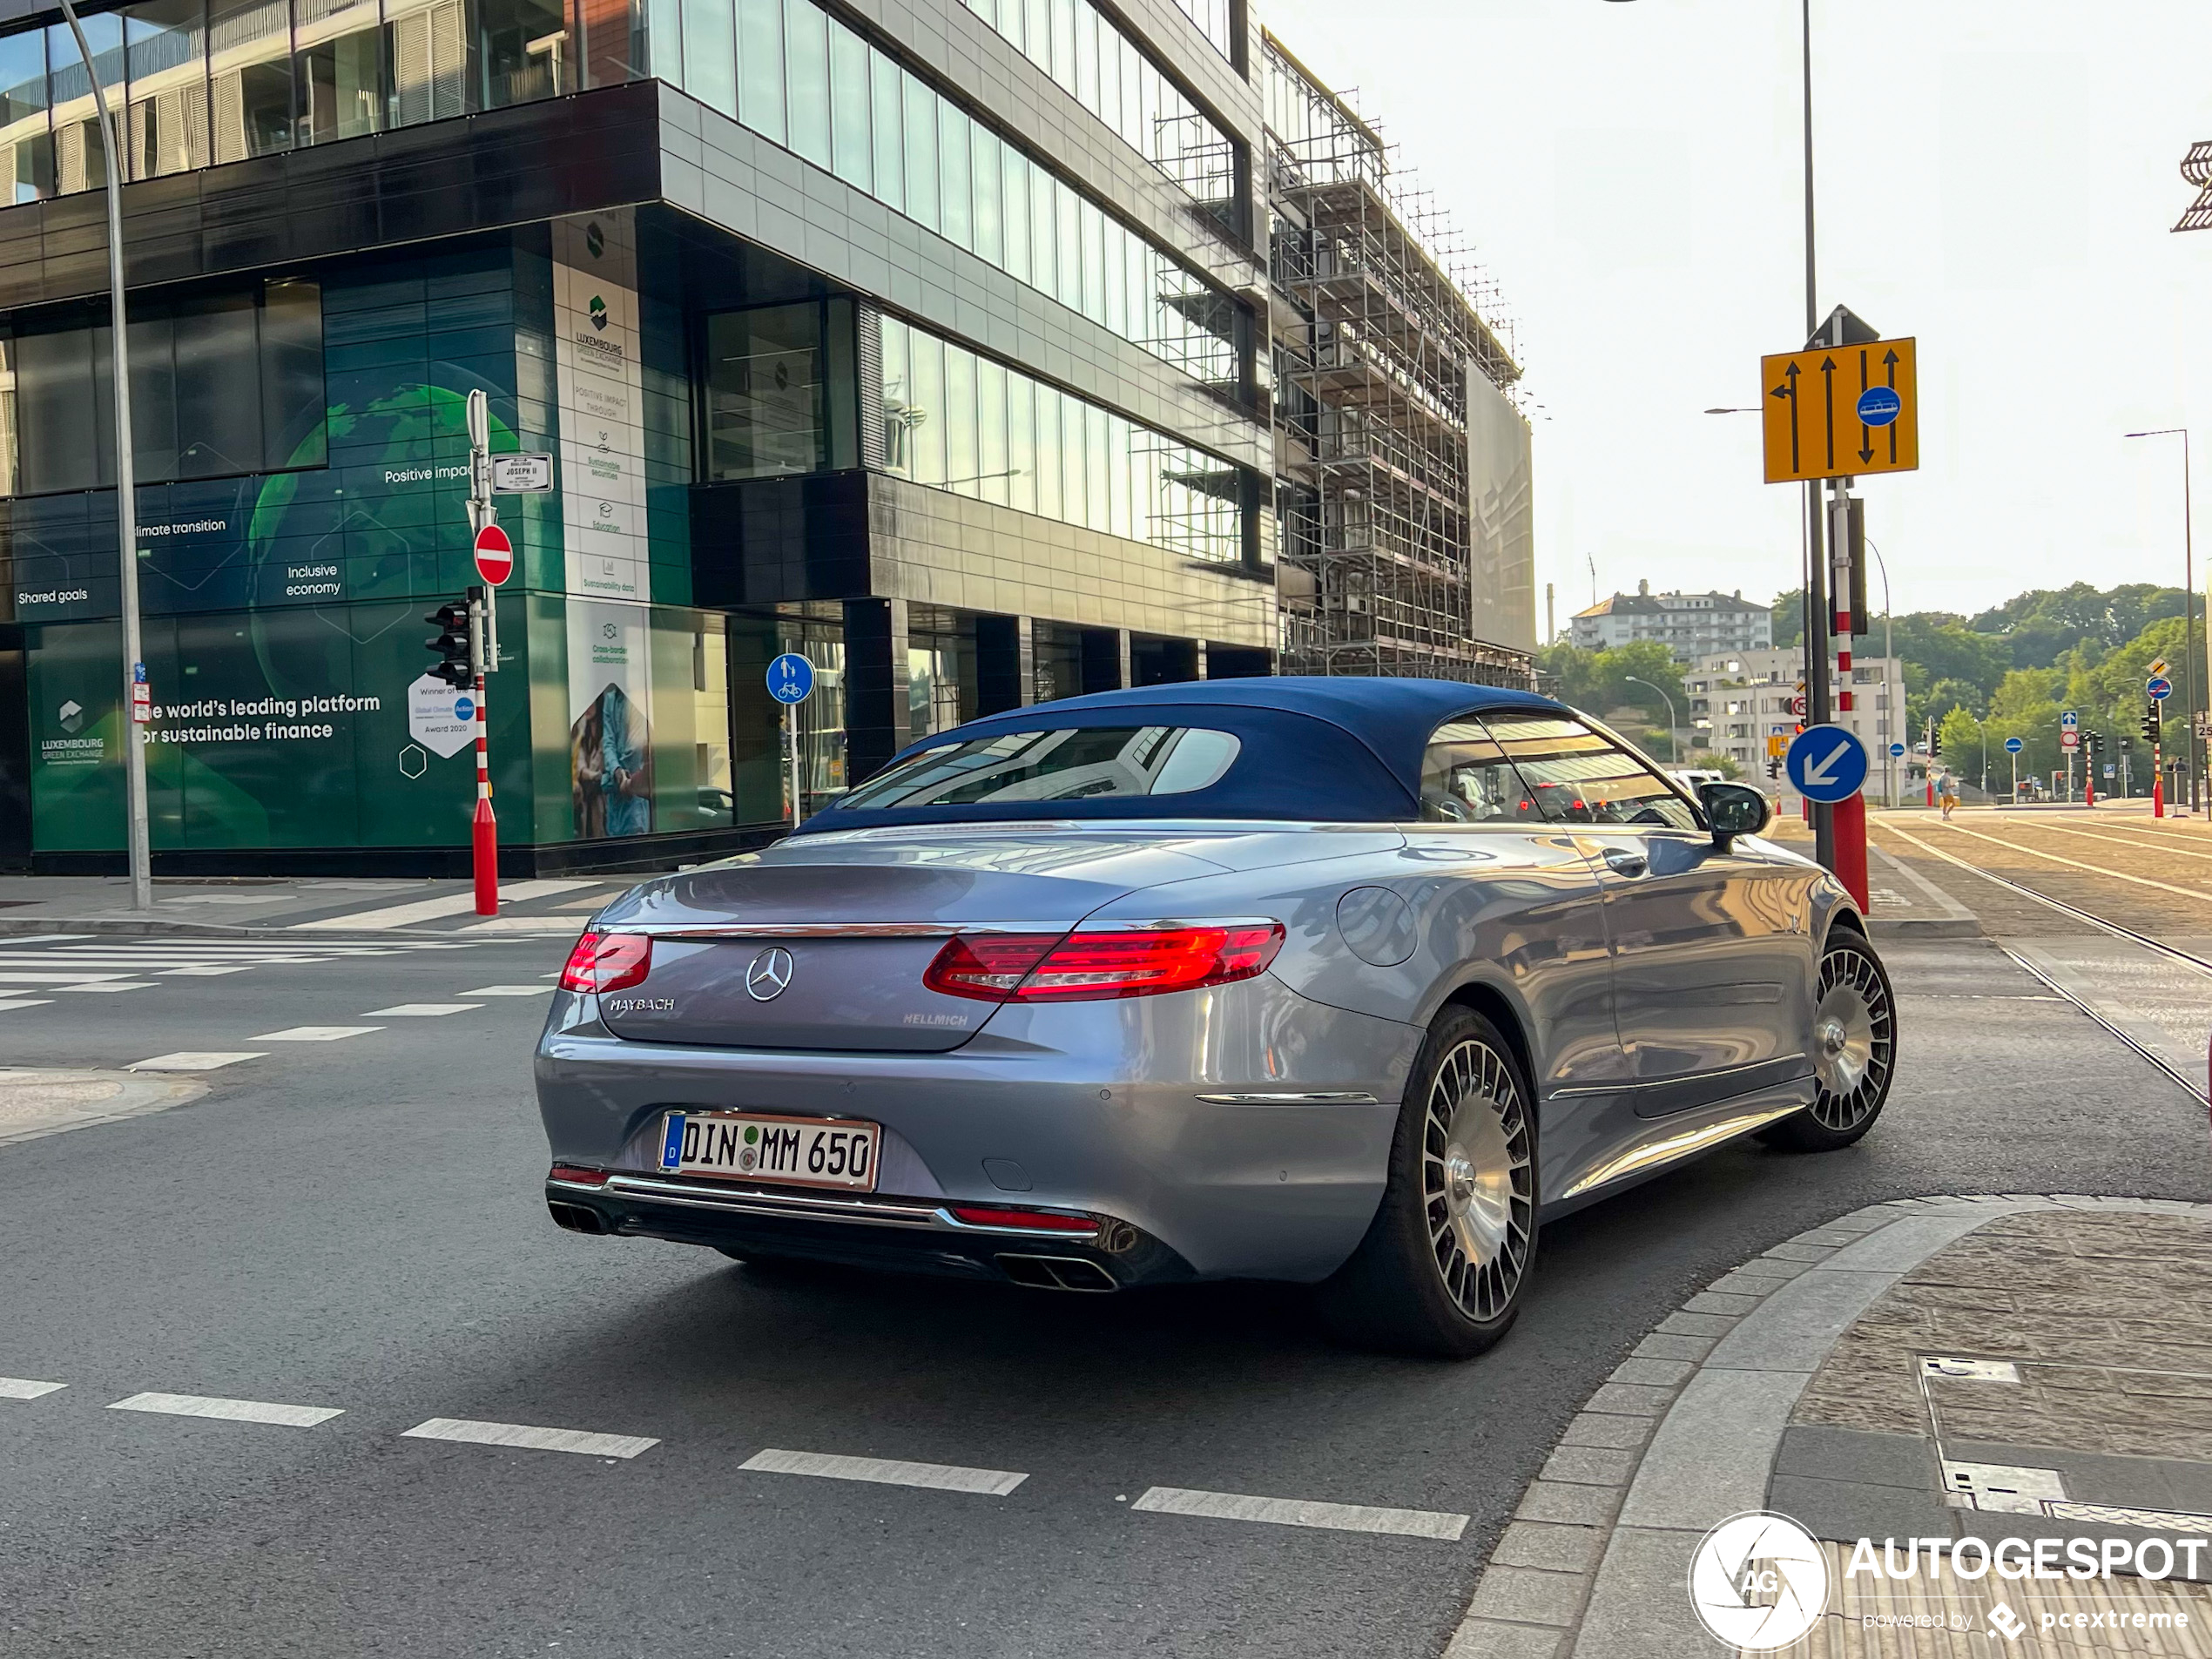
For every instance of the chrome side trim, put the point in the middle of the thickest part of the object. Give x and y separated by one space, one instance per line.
1122 925
1666 1148
1352 1097
826 930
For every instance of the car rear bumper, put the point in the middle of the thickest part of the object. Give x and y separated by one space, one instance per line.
1244 1130
904 1234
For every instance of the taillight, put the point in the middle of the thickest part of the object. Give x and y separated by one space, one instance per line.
1093 966
577 1176
608 962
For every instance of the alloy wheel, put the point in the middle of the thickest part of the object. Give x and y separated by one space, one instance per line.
1477 1186
1854 1033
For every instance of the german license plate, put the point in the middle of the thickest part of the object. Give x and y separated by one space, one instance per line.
795 1151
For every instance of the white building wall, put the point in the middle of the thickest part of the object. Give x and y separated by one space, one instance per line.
1744 697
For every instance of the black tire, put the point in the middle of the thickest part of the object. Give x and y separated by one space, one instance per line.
1854 1050
1446 1260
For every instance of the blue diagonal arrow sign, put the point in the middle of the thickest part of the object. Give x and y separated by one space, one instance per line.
1827 763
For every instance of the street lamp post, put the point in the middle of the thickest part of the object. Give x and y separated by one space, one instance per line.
134 754
1674 744
2189 599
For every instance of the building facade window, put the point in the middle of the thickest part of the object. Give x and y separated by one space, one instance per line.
221 385
955 420
1099 66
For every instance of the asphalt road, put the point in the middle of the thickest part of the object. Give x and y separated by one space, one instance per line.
358 1224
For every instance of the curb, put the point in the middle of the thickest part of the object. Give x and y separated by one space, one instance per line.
1684 1433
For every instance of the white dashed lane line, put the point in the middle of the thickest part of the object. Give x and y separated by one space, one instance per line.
944 1477
197 1059
534 1440
315 1034
1297 1512
419 1011
24 1388
234 1411
26 1003
511 990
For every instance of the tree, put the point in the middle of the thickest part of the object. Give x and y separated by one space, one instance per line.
1790 616
1599 681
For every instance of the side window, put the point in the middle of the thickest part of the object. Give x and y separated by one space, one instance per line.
1466 780
1578 776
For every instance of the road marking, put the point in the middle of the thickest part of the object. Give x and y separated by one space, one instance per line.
400 915
1297 1512
113 985
58 977
526 925
2095 869
24 1388
943 1477
420 1010
26 1003
315 1034
508 990
535 1439
43 939
192 1059
204 972
235 1411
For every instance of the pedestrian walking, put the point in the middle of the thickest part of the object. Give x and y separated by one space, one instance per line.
1947 793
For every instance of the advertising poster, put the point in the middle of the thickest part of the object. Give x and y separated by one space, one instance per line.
600 388
610 737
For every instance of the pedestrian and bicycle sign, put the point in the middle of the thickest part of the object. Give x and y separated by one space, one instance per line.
2159 687
791 678
2014 745
1840 411
1827 763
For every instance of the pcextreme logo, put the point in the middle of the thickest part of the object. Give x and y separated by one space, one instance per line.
1759 1582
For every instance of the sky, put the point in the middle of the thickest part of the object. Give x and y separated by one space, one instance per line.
1997 177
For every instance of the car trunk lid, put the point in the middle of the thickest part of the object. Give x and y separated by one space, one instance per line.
821 942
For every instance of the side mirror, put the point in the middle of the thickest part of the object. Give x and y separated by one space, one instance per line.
1734 810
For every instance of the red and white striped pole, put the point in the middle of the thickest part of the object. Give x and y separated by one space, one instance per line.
1848 820
494 556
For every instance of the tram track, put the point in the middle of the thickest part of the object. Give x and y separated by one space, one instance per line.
2198 1088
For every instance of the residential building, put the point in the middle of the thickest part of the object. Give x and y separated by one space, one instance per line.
932 338
1741 702
1690 625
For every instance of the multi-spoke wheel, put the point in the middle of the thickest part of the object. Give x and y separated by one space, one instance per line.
1854 1050
1443 1265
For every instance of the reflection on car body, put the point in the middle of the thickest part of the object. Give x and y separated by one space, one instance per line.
1350 982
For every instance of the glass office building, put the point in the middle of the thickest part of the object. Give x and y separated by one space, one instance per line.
924 337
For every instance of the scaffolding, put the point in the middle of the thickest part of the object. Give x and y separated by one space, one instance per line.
1379 313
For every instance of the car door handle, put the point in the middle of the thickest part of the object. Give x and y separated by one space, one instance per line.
1623 862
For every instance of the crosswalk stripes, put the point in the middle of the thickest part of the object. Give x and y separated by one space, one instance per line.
35 968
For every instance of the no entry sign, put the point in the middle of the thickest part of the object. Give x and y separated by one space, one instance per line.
495 554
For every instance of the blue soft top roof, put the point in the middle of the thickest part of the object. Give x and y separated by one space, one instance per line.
1335 749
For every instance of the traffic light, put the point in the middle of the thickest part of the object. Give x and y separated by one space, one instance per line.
2126 744
2150 724
2092 741
454 665
1935 741
1773 768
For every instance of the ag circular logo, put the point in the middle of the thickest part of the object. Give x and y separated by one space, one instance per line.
1758 1581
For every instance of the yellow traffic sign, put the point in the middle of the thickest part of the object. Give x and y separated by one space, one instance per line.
2157 666
1777 745
1841 411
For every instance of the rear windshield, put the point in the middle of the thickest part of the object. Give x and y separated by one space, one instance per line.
1084 763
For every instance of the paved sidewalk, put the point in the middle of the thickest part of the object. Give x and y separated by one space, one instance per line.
261 907
1973 1369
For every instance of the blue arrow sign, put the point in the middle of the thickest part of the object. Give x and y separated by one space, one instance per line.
1827 763
791 678
2159 687
1895 750
2068 720
2014 745
1879 406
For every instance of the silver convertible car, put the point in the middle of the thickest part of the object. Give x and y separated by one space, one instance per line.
1350 982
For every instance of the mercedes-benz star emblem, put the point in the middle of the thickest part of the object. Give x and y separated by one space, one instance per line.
770 974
